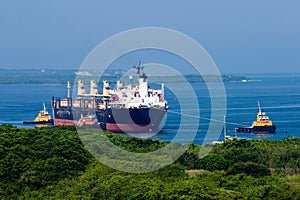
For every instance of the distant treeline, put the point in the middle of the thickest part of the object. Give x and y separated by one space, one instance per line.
52 163
33 76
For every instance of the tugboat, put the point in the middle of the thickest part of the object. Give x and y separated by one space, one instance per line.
43 117
263 124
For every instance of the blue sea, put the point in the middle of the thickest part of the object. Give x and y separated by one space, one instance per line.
279 95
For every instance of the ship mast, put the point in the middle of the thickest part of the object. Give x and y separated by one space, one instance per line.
69 94
139 68
44 107
224 127
259 108
162 92
69 87
143 83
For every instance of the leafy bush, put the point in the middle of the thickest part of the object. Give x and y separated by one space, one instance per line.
190 158
249 168
213 162
52 163
39 157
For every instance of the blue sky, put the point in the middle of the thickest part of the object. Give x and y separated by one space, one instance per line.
241 36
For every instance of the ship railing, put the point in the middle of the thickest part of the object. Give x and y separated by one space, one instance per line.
115 105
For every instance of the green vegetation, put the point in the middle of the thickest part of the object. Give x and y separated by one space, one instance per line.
52 163
33 159
35 76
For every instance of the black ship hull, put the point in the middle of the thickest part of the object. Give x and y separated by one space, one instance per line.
131 120
257 129
115 119
65 116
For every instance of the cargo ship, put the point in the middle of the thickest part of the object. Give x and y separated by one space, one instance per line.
43 117
130 108
263 124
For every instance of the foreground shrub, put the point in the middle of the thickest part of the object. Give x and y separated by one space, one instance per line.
249 168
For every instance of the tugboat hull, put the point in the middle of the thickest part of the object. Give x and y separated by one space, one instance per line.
50 122
257 129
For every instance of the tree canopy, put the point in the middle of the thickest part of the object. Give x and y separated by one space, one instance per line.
52 163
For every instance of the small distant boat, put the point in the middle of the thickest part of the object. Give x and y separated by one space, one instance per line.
43 117
263 124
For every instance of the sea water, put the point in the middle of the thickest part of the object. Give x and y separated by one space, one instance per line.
279 95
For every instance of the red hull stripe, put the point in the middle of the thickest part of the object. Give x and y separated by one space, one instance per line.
64 122
113 127
130 128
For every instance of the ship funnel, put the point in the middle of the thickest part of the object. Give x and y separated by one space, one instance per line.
119 85
81 89
106 88
94 88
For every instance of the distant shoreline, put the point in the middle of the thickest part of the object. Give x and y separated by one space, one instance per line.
8 76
